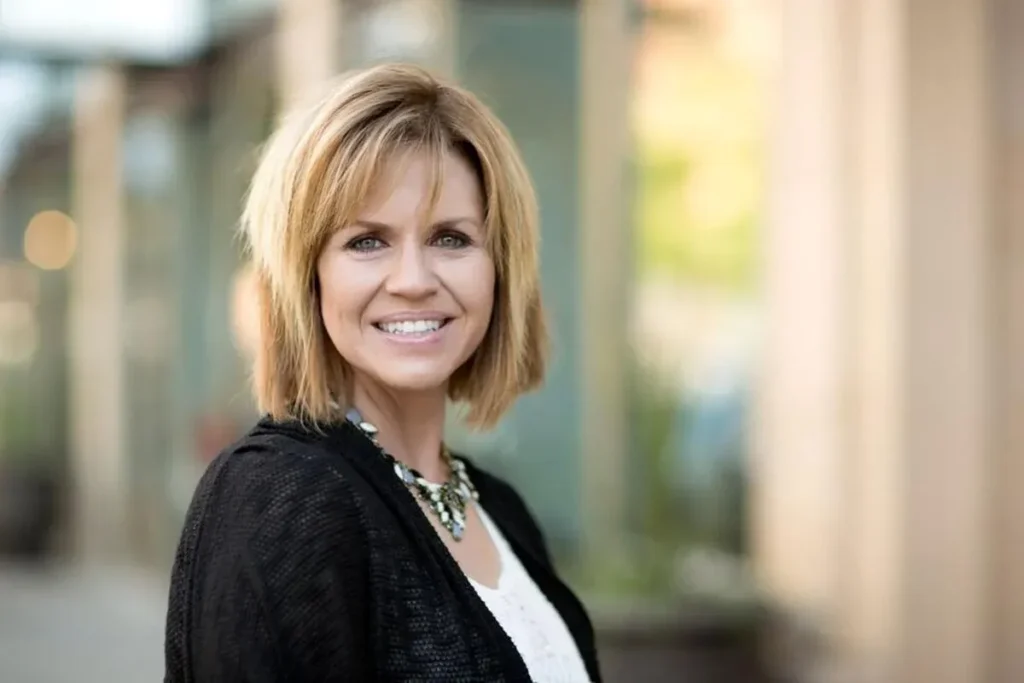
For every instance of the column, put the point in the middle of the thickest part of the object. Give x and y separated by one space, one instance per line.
874 471
605 287
800 427
868 624
1007 52
920 491
99 462
307 35
445 52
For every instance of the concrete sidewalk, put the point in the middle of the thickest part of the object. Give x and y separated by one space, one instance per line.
80 626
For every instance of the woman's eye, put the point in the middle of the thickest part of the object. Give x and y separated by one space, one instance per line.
450 240
365 244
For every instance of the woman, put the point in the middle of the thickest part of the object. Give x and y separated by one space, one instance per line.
393 229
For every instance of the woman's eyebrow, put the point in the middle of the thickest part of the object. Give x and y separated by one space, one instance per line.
438 225
371 225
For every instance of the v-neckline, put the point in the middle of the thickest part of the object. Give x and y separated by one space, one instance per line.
506 564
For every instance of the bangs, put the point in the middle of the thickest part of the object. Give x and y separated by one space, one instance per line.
363 170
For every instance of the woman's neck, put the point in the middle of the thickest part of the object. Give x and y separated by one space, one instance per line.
410 425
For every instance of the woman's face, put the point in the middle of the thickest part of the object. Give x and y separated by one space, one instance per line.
406 298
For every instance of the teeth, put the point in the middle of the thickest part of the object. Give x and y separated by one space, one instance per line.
410 326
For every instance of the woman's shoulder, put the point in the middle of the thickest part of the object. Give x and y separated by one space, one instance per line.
276 485
272 514
276 460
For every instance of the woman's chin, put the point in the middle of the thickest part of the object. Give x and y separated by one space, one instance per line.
415 380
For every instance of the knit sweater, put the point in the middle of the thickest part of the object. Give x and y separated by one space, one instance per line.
304 559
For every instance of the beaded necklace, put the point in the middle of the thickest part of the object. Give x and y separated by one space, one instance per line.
447 500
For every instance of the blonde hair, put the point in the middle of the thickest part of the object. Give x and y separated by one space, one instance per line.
318 171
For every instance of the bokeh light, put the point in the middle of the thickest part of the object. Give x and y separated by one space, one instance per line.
51 238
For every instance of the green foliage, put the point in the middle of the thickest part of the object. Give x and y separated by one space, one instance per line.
656 528
673 243
24 429
655 422
18 429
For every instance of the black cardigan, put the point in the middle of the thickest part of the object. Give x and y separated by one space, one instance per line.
304 559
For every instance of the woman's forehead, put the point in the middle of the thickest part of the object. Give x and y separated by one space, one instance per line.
432 186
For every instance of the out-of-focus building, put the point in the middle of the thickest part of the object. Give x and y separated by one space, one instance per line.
797 215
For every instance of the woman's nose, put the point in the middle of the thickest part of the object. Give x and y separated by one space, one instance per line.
412 275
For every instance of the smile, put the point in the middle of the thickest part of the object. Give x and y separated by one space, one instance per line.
412 328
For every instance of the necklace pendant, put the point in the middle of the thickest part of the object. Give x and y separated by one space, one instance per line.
403 473
448 500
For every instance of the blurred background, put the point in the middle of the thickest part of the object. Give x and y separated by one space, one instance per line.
780 257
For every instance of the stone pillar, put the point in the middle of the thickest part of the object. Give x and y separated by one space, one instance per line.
605 239
307 34
99 462
1007 53
800 430
874 467
920 511
445 51
867 621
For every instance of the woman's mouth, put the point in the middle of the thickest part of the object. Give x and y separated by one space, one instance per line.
412 327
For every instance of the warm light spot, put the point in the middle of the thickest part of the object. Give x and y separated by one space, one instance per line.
50 240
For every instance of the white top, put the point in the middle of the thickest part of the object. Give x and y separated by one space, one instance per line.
529 618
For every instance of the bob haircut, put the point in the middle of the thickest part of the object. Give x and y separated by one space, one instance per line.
319 170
